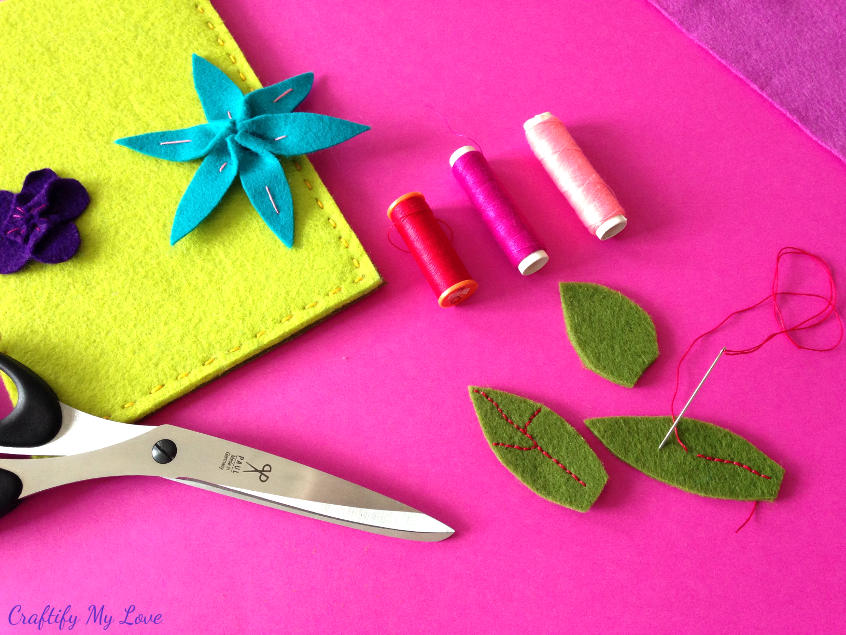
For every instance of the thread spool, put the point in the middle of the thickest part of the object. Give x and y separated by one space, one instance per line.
474 174
432 251
591 198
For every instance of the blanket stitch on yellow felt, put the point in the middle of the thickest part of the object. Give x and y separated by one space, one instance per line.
131 323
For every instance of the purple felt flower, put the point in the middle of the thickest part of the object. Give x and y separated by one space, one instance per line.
37 223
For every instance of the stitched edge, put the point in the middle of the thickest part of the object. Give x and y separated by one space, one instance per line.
318 203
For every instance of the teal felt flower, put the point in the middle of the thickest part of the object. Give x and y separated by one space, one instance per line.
242 135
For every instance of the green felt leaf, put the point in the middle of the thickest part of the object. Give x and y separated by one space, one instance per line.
540 448
717 463
613 336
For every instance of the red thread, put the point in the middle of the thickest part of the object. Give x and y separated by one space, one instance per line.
525 432
745 467
748 518
810 322
532 418
513 447
282 95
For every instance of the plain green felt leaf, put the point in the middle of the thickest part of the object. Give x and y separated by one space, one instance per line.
718 463
540 448
612 335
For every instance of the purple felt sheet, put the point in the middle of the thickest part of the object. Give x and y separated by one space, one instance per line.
792 51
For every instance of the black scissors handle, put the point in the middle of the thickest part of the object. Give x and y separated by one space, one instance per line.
35 420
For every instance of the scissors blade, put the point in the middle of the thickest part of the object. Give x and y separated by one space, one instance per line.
88 447
243 472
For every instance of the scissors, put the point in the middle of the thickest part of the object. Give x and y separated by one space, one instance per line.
77 446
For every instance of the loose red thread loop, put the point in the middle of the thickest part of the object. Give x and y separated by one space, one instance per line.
524 430
817 319
748 518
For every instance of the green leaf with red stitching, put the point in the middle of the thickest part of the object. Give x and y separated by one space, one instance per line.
540 448
705 459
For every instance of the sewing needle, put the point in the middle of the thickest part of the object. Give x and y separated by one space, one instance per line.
689 401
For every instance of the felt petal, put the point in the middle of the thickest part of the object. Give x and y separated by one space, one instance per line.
612 335
278 98
717 463
58 245
540 448
185 144
34 184
67 199
6 200
295 133
13 255
219 96
211 181
265 183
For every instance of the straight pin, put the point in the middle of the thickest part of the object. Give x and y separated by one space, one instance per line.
689 401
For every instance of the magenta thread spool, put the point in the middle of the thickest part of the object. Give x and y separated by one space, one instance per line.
515 239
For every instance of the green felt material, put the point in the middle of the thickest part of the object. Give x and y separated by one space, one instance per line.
717 463
540 448
130 323
612 335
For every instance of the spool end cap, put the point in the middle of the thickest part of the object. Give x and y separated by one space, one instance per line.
459 153
544 116
535 261
402 198
611 227
458 293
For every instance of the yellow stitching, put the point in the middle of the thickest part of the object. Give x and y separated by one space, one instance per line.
220 41
287 318
319 203
308 184
156 388
356 263
333 223
345 243
260 333
298 166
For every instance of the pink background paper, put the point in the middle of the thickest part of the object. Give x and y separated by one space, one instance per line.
714 180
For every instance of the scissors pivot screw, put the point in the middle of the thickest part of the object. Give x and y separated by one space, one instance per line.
164 451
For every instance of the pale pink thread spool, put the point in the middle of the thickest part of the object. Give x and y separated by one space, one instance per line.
584 189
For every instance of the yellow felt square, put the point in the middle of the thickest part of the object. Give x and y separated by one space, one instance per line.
130 323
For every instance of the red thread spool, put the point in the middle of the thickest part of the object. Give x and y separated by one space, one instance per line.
435 256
